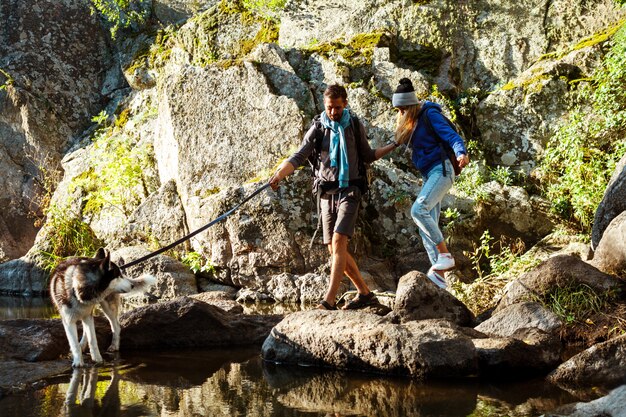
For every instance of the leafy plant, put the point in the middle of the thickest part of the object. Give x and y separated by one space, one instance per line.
198 263
582 155
121 14
502 175
116 176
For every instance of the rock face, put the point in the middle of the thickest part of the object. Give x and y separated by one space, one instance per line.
175 11
613 203
23 277
610 255
33 340
466 41
362 341
602 365
561 271
187 322
417 298
57 68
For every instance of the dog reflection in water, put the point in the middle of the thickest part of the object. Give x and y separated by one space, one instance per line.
81 401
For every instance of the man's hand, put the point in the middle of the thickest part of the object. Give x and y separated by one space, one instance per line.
463 160
276 178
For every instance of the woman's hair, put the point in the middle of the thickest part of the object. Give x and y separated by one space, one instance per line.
405 123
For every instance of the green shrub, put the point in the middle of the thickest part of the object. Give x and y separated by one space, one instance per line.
197 263
581 157
67 236
117 164
121 13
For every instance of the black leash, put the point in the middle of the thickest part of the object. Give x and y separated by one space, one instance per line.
192 234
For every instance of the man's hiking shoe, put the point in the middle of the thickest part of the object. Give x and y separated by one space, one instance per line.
361 301
439 280
324 305
445 261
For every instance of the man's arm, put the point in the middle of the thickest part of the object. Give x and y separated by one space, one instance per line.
296 160
384 150
370 155
284 170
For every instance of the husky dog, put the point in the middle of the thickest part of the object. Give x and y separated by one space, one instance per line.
77 285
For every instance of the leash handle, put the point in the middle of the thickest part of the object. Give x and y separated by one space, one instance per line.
192 234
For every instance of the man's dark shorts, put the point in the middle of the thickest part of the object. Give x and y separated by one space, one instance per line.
339 212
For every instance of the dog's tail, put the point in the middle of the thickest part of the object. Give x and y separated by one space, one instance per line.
142 284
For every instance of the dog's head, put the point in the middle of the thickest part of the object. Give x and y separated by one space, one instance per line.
111 274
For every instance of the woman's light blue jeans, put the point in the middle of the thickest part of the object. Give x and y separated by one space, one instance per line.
427 207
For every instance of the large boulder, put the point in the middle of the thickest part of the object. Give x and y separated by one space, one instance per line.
610 254
417 298
58 70
613 203
186 322
366 342
23 277
32 340
510 319
35 340
517 120
602 365
558 271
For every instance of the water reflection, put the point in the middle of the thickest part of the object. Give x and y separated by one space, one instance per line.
81 399
236 382
25 308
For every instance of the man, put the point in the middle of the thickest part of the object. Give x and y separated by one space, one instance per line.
339 176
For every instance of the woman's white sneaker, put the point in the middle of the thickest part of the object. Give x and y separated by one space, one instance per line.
436 278
445 261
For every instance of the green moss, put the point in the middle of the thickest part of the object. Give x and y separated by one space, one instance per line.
529 85
122 118
595 39
357 52
599 37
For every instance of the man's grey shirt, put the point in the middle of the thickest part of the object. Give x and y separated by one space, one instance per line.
326 172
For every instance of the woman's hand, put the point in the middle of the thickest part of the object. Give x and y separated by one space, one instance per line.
463 160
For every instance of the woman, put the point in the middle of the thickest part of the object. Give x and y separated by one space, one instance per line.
422 127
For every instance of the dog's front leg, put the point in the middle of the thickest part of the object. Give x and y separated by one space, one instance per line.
72 338
90 329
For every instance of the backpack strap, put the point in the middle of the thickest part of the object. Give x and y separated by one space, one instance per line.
429 126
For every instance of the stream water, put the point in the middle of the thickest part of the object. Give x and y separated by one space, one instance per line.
237 382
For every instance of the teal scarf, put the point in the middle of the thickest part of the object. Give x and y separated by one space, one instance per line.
338 148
